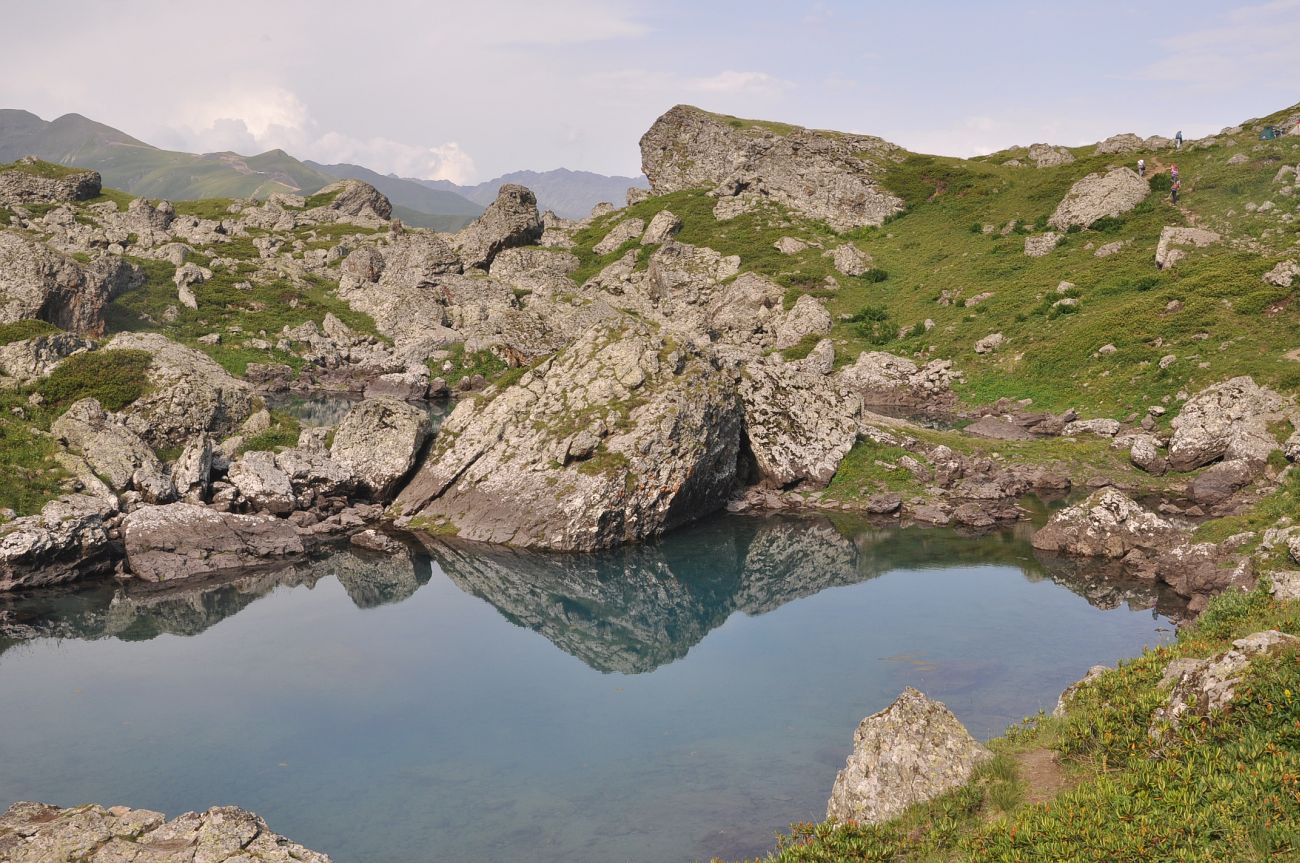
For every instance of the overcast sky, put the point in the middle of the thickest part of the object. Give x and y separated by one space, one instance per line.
469 90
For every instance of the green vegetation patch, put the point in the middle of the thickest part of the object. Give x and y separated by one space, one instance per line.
22 330
115 378
40 168
283 433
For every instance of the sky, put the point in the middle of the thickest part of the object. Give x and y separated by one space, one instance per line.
466 91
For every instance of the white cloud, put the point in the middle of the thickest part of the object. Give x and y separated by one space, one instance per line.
731 81
444 162
1246 45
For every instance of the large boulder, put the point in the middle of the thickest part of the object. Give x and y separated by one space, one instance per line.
827 176
185 540
622 435
798 423
27 183
378 442
887 379
1108 524
511 220
1099 195
355 199
1049 155
625 231
116 453
1228 420
910 752
397 286
188 393
31 832
808 317
66 541
38 282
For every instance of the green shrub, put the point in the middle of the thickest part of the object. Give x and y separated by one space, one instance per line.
20 330
1107 224
114 378
875 274
1161 183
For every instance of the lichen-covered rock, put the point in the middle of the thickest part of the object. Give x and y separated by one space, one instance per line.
799 425
625 231
1144 453
1039 245
1098 196
32 832
396 285
262 483
541 271
115 452
1108 524
378 441
662 228
66 541
511 220
887 379
1049 155
1283 275
38 282
850 260
1167 251
1098 427
808 317
622 435
357 200
1228 420
22 185
185 540
826 176
910 752
188 393
1202 687
30 359
989 343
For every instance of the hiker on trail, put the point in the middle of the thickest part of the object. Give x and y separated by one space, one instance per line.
1142 167
1173 191
1178 140
1173 173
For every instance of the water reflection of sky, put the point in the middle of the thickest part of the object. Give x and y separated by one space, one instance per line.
670 702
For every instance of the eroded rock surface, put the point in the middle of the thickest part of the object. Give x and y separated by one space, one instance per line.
40 833
912 751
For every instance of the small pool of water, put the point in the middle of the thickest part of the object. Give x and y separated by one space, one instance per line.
323 408
672 702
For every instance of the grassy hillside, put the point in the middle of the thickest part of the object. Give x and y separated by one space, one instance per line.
963 236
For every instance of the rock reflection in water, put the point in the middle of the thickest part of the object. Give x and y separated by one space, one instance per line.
629 611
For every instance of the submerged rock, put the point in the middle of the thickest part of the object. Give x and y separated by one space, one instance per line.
31 832
912 751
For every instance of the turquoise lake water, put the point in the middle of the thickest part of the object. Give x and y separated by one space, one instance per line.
673 702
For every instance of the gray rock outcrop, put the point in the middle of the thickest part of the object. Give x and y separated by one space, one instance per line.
1205 686
511 220
1049 155
355 199
1168 252
185 540
188 393
1038 245
378 441
24 184
808 317
662 228
66 541
799 425
824 176
887 379
30 359
1100 195
31 832
624 232
619 437
1283 275
115 452
910 752
1108 524
38 282
1229 421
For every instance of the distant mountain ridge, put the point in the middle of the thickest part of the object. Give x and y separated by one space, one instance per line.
571 194
134 166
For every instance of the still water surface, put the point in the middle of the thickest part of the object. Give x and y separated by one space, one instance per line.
672 702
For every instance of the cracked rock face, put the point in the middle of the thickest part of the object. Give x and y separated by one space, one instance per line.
66 541
619 437
511 220
114 451
20 187
38 282
184 540
912 751
1229 421
31 832
378 441
819 175
1107 524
